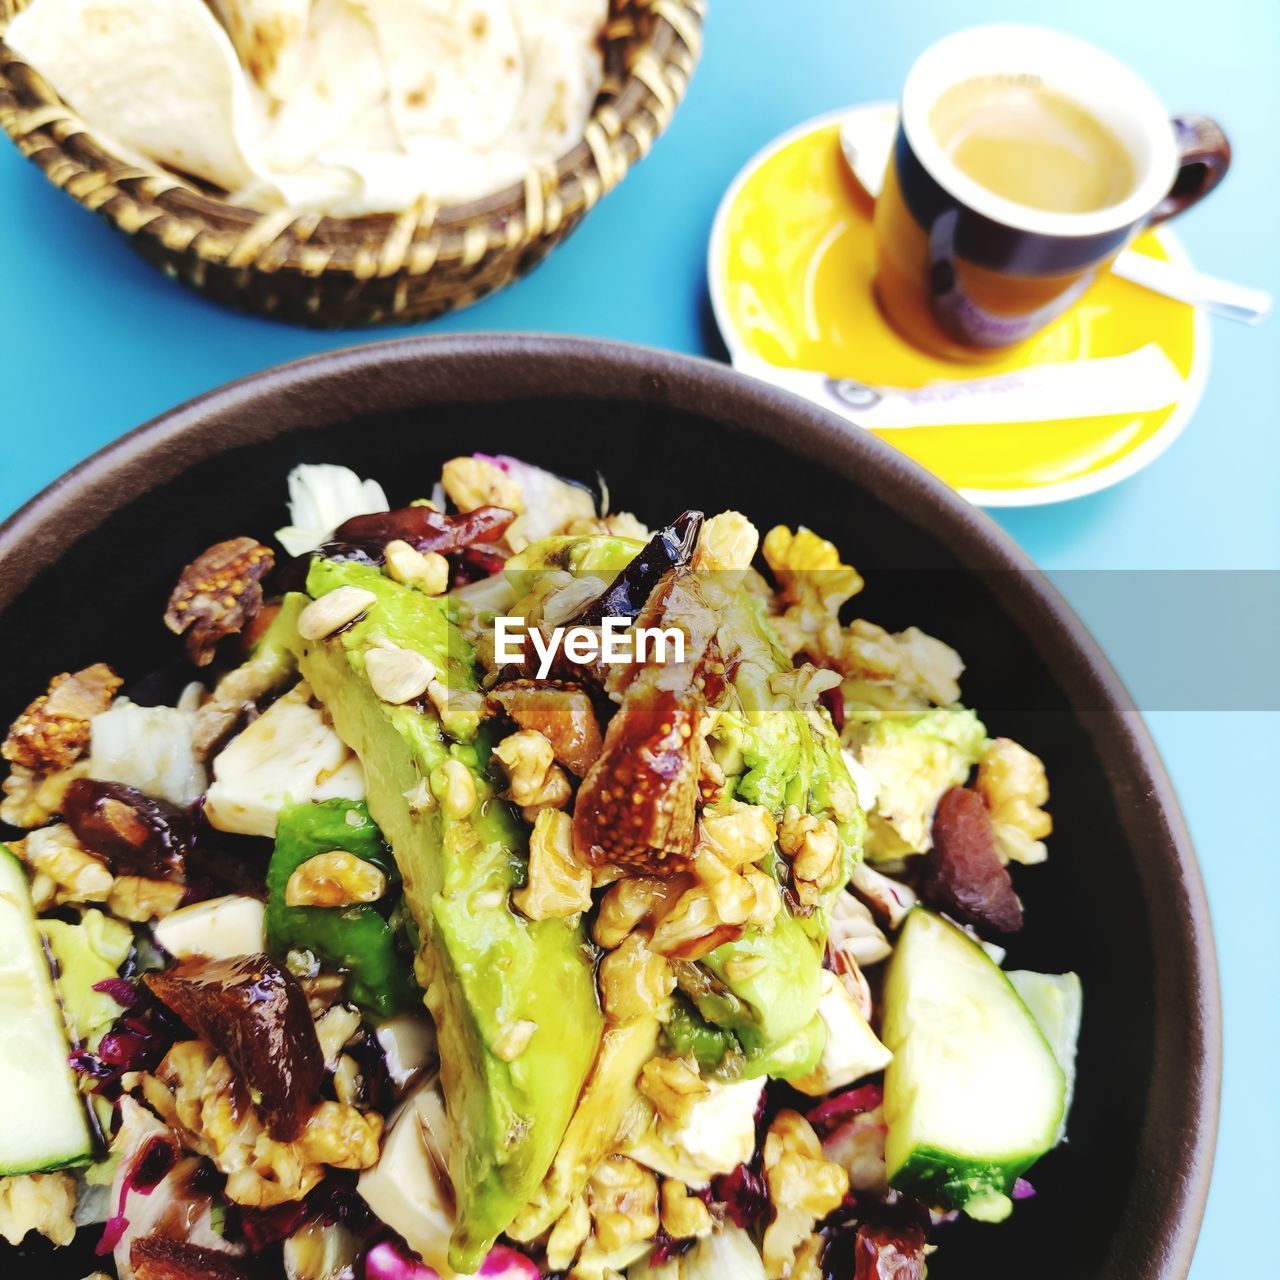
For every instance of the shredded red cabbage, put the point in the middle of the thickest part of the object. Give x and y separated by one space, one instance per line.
1022 1190
828 1116
744 1194
506 1264
388 1261
121 990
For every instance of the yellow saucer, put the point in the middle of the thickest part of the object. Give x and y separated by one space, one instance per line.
790 268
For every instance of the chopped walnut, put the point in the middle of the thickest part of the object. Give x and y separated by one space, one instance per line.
334 879
794 556
428 571
727 542
673 1086
621 524
902 673
218 595
536 781
54 852
632 901
40 1202
339 1135
623 1199
813 847
195 1089
1013 783
31 799
53 732
474 482
334 1027
569 1235
558 886
804 1187
634 982
139 899
695 927
684 1217
460 710
804 684
739 833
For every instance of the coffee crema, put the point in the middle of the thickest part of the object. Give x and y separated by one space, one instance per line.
1032 145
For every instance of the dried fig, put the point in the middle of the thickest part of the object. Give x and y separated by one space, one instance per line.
563 714
53 732
219 594
159 1258
963 874
132 832
423 528
256 1014
888 1253
637 807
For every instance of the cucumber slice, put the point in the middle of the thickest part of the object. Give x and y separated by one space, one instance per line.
974 1094
1056 1001
43 1123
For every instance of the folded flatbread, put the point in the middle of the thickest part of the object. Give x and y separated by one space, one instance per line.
158 77
269 36
343 107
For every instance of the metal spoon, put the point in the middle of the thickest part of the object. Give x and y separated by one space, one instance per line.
866 138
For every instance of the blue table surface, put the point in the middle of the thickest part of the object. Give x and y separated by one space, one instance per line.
92 342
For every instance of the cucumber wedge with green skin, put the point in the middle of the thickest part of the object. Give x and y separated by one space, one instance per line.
1056 1001
43 1123
974 1094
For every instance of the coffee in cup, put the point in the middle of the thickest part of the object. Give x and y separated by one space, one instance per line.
1024 162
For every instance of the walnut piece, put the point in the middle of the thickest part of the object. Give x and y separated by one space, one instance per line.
334 879
219 594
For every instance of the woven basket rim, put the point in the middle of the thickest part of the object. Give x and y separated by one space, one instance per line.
673 43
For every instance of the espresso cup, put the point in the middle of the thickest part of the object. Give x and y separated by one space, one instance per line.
966 269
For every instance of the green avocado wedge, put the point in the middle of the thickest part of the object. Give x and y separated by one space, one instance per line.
357 940
974 1094
484 968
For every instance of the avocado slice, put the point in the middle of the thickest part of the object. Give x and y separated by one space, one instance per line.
483 967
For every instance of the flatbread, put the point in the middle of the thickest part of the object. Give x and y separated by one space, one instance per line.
269 36
342 107
340 91
157 77
454 67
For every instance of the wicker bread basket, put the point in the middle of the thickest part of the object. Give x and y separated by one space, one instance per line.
379 269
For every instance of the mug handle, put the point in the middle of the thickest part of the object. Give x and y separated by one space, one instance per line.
1204 156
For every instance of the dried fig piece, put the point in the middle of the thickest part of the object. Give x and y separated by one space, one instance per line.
637 807
669 548
256 1014
218 595
132 832
159 1258
422 528
53 732
563 714
963 874
888 1253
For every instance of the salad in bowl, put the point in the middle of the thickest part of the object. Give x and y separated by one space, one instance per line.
498 886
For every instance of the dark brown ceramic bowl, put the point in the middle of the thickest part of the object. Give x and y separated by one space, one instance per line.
85 568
